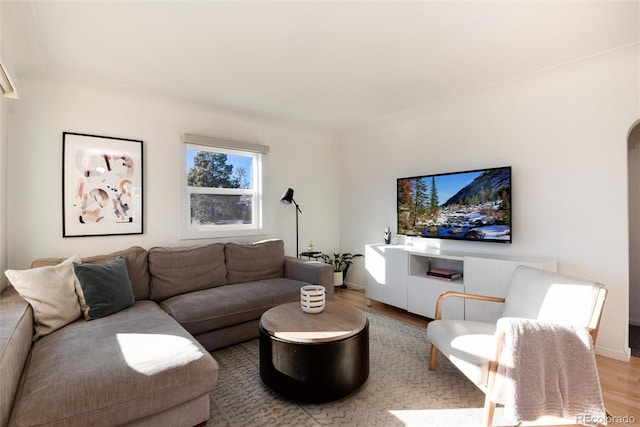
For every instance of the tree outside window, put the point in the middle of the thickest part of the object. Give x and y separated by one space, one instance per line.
221 186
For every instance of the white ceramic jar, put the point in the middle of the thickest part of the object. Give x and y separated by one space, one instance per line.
312 298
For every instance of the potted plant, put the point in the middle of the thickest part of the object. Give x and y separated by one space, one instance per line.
340 263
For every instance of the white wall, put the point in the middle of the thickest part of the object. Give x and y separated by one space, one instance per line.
563 131
634 226
300 158
3 190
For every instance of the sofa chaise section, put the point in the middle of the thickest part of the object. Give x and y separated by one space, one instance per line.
115 370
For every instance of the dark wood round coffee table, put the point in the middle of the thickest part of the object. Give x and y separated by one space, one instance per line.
314 357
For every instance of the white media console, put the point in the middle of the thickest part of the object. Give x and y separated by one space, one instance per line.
397 275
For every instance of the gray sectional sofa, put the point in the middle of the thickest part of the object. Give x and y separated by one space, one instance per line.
149 363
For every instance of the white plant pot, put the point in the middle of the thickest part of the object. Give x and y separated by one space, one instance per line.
312 298
337 278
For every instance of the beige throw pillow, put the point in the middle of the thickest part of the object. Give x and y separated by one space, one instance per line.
51 293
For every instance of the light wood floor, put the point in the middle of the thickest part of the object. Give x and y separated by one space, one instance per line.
620 381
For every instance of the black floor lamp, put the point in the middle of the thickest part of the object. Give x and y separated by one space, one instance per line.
287 199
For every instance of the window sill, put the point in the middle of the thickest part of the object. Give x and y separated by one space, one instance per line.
218 234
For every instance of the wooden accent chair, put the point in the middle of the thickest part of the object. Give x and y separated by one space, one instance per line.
474 347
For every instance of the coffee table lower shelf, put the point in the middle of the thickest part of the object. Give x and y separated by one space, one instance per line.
314 372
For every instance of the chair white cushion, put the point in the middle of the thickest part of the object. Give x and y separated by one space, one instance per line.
543 295
468 345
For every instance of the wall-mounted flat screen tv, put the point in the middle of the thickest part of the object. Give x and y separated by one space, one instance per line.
472 205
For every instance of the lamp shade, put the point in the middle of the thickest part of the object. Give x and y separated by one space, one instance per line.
287 197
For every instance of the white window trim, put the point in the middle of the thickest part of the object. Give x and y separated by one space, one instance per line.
227 146
211 141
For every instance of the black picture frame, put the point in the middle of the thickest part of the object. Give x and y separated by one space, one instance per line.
102 185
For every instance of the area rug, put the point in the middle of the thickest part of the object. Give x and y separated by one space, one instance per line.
400 391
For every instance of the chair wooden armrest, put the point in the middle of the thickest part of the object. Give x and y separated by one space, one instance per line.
438 315
448 294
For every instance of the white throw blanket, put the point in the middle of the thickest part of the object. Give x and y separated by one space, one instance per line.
547 369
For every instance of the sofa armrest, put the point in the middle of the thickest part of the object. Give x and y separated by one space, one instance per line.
16 332
313 272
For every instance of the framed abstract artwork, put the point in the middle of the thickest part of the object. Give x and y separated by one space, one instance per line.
102 191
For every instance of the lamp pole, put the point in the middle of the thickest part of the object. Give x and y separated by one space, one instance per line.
297 240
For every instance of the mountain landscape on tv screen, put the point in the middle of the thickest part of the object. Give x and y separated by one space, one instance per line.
477 206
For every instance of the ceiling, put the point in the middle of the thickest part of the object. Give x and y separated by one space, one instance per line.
332 65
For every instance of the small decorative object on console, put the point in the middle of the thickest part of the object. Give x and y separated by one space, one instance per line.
387 235
312 298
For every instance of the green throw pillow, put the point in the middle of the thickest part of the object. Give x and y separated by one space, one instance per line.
105 288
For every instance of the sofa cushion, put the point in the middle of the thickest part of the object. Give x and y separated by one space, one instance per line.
249 262
113 370
51 292
137 267
178 270
104 288
203 311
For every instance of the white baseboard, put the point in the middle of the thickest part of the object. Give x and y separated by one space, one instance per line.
355 286
624 356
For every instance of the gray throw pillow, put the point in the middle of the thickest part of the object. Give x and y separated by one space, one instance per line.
105 288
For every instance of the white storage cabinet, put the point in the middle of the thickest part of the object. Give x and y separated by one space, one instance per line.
397 275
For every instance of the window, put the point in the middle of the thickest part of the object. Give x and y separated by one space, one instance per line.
222 181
